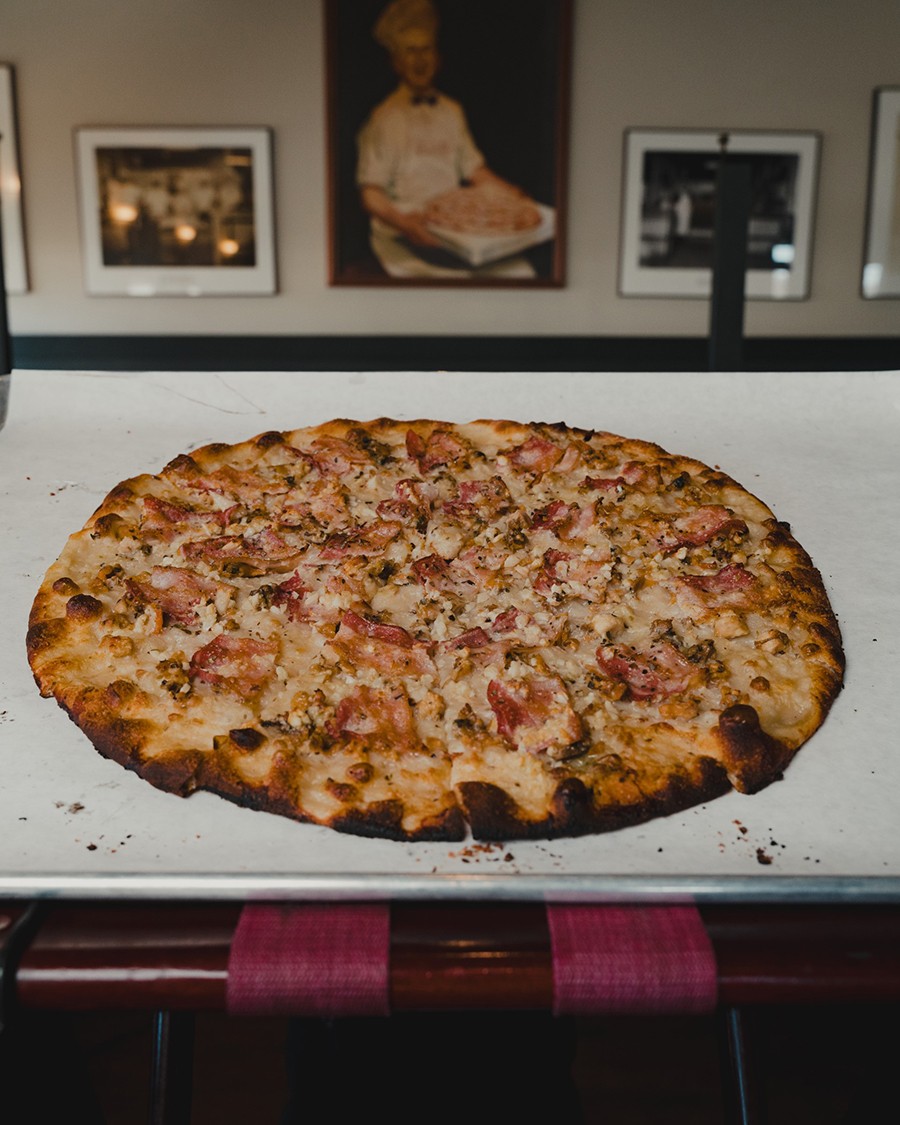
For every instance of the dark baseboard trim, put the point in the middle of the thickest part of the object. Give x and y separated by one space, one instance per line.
445 353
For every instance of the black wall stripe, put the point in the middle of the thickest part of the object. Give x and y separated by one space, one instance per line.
447 353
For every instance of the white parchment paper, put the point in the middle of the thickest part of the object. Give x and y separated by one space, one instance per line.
819 448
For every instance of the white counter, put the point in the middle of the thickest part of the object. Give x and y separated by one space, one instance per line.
820 449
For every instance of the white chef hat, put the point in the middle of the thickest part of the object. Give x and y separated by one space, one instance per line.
404 15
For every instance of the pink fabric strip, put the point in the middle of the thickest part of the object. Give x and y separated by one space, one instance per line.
311 959
631 959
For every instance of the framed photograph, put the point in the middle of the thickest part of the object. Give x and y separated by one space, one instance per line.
15 270
881 268
176 212
669 208
447 132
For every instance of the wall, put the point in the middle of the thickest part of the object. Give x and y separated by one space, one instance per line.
806 65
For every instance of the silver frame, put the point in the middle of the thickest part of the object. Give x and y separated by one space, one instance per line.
176 281
881 265
637 280
15 265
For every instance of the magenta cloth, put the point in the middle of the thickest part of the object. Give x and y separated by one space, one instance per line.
631 959
311 959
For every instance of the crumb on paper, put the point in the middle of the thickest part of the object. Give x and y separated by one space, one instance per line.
477 851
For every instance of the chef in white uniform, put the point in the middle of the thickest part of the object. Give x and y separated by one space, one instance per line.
416 143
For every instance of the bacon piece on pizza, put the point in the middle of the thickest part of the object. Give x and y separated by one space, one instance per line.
389 649
169 519
479 499
377 718
731 585
366 541
241 665
412 503
703 524
535 714
263 553
566 573
440 449
177 592
659 671
244 485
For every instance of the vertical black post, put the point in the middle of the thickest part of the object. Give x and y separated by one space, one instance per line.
733 199
171 1080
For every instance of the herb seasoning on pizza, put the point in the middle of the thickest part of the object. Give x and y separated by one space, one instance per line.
419 630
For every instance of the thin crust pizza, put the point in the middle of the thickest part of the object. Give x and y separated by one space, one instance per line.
420 630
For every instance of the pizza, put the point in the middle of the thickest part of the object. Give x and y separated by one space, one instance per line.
488 209
424 630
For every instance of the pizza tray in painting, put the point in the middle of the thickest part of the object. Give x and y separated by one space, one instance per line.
480 249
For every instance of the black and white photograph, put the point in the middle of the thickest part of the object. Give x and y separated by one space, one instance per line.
881 268
176 212
669 211
447 127
15 269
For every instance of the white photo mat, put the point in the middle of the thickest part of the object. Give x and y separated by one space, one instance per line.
156 269
15 270
881 269
649 268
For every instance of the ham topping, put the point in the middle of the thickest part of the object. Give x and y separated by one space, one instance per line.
389 649
535 714
700 526
365 540
434 571
289 595
242 484
568 521
485 498
659 672
381 719
536 455
238 664
334 456
262 553
441 448
632 472
730 580
166 518
561 567
176 591
412 503
326 505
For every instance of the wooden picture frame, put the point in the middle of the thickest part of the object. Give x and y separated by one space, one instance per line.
175 212
668 211
504 80
15 265
881 265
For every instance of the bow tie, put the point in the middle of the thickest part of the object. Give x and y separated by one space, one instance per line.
424 99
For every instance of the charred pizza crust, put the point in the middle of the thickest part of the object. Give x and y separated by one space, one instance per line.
418 630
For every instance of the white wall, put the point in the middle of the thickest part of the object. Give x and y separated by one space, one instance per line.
764 64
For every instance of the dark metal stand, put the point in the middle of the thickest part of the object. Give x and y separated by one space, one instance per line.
733 199
171 1079
744 1103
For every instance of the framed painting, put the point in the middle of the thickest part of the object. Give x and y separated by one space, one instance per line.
447 132
669 209
15 270
881 268
176 211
